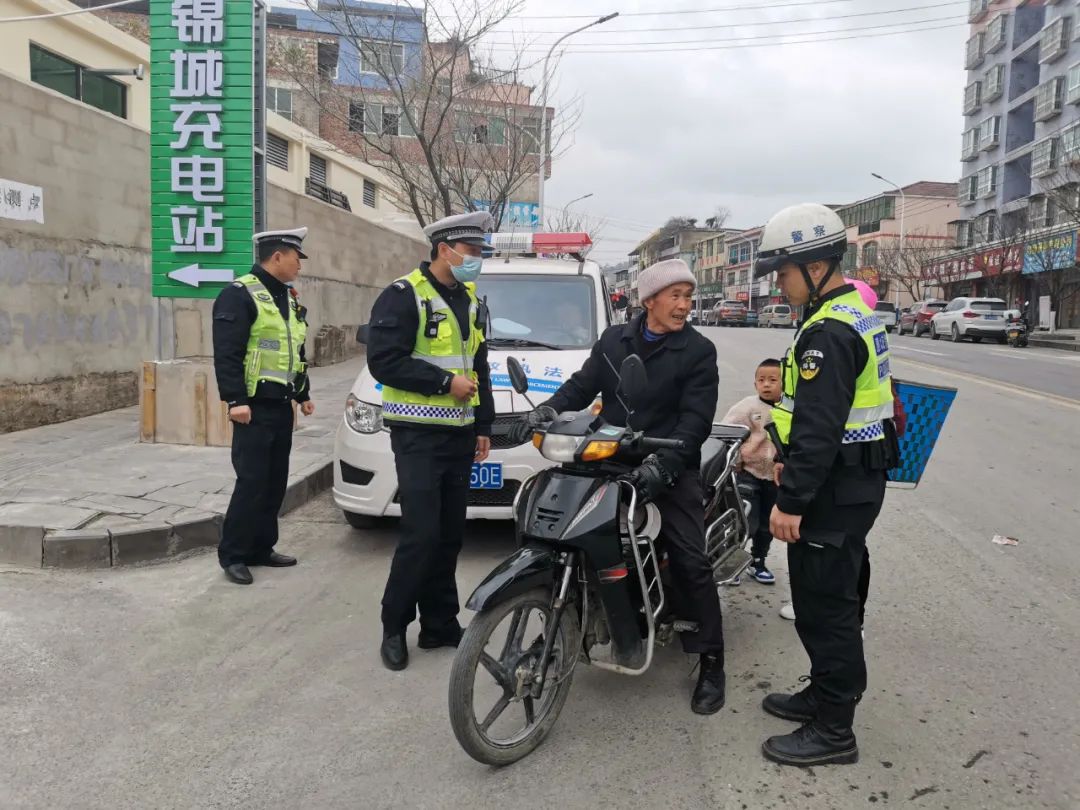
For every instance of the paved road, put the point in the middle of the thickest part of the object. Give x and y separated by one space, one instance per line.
167 687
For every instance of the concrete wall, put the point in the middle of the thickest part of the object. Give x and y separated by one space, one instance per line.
77 319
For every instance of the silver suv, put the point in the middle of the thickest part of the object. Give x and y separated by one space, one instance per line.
973 318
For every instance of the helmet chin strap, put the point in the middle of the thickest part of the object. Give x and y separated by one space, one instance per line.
815 291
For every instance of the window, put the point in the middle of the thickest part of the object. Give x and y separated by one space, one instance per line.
995 33
1054 40
1039 211
369 193
989 132
733 256
1072 84
988 179
851 258
976 8
869 213
1048 98
531 133
1065 198
870 254
384 58
993 83
279 99
971 144
317 169
327 56
974 54
963 234
1044 157
744 253
378 119
277 151
966 189
1070 144
77 82
985 227
869 227
972 97
556 309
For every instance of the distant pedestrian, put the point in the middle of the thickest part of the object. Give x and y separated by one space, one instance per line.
757 462
259 329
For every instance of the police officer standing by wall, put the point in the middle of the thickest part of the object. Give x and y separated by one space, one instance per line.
833 424
259 329
426 347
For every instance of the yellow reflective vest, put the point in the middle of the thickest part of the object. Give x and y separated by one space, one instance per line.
273 349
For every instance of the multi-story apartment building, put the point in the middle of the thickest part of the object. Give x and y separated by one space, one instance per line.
710 260
739 284
664 244
1021 144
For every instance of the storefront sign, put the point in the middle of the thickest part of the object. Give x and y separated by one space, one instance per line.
990 262
21 202
742 296
201 144
1055 252
868 274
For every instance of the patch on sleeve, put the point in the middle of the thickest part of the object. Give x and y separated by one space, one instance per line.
810 364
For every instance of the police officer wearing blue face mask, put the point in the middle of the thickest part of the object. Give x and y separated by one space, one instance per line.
426 346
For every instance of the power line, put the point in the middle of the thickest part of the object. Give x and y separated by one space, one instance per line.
68 13
760 44
758 36
759 7
758 24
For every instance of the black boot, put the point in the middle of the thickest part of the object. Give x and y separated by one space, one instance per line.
828 739
801 707
449 636
394 652
709 693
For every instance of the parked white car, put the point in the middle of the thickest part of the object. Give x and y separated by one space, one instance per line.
887 314
973 318
548 313
777 316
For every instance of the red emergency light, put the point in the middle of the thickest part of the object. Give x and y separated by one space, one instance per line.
578 243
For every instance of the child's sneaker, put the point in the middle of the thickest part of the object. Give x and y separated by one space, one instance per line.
761 573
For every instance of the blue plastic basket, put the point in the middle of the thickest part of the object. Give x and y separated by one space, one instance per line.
926 407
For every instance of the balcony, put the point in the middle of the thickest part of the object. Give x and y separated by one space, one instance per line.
995 34
1054 40
987 182
972 97
1048 98
990 133
974 53
970 148
1044 158
966 190
993 84
977 10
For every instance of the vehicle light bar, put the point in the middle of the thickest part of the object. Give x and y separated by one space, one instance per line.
540 242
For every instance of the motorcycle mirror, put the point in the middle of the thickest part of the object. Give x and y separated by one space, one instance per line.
362 334
518 381
633 379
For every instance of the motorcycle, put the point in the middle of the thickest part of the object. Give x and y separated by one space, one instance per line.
1016 332
588 582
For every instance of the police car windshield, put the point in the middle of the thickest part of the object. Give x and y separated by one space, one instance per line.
548 311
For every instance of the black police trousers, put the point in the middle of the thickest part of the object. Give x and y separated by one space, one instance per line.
260 456
693 595
433 469
827 591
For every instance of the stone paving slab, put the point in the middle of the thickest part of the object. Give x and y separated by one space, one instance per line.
88 494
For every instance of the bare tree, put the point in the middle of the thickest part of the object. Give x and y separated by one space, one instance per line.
1052 248
903 269
570 222
719 218
453 131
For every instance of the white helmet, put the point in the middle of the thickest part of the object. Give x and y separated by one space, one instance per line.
801 234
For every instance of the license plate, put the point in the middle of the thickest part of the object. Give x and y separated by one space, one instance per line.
486 475
991 317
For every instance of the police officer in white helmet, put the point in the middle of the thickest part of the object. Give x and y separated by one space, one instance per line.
833 423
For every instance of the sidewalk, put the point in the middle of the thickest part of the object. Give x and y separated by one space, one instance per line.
1065 339
86 493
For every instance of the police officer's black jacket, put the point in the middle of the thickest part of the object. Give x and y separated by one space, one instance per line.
820 472
234 314
683 384
392 337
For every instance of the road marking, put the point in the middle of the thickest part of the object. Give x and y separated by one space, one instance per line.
1013 353
1068 402
894 347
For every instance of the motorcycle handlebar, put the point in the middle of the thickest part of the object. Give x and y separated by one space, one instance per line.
647 443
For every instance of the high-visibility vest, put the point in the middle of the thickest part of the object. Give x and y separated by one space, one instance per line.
873 401
273 349
448 349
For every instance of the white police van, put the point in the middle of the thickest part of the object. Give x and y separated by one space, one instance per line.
548 313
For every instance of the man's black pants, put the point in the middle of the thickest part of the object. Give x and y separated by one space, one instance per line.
694 597
825 568
433 469
260 457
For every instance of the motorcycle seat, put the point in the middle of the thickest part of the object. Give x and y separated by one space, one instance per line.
714 451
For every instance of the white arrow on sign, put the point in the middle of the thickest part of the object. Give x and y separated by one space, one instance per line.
193 275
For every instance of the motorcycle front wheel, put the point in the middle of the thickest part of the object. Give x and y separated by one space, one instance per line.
494 717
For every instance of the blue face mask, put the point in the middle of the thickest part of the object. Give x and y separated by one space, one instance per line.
469 269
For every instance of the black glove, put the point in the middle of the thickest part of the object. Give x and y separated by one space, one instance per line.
651 479
521 431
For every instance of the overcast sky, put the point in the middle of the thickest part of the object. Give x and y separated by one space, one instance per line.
751 129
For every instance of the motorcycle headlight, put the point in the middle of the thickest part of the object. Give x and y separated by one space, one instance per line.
561 449
362 417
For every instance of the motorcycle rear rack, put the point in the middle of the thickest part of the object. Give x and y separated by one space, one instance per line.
652 590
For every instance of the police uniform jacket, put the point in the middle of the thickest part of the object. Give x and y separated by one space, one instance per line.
234 314
395 322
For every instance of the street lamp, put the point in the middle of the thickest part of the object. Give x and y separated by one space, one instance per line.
903 207
576 199
543 105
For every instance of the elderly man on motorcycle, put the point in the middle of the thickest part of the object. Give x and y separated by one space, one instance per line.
680 403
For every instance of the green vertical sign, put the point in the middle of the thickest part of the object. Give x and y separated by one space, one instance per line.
201 144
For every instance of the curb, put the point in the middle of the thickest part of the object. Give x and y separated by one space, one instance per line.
1050 343
37 547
